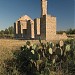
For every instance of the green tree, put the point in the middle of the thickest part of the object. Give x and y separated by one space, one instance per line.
2 32
6 31
11 30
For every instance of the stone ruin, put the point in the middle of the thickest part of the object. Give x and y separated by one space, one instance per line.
43 27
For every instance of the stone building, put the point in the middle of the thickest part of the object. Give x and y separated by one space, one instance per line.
43 27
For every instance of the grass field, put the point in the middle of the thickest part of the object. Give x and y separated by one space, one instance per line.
7 46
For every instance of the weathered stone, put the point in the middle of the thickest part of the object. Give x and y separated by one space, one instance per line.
43 27
43 7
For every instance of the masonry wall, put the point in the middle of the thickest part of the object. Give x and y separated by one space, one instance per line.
29 32
19 29
37 28
61 36
43 7
23 24
50 27
29 29
32 30
43 27
24 33
19 26
16 30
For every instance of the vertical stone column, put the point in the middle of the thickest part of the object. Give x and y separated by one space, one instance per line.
43 27
29 29
16 28
32 30
37 27
25 34
43 7
19 29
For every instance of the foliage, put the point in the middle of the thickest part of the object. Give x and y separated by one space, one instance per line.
44 59
7 33
68 31
71 31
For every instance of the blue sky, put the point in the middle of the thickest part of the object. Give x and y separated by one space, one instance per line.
11 10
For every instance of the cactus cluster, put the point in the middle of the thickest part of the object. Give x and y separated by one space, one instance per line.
44 58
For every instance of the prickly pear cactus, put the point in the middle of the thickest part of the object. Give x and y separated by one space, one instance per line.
34 46
61 43
50 50
68 48
32 51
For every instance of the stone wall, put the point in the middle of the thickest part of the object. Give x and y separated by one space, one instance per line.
25 17
29 32
19 29
61 36
20 25
28 29
32 30
25 34
37 28
16 30
23 24
43 27
50 27
43 7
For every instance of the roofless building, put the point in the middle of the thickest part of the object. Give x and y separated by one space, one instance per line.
43 27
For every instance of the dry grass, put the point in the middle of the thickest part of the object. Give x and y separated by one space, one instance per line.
7 46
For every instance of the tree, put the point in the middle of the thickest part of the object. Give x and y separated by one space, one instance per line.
2 32
11 30
70 31
6 31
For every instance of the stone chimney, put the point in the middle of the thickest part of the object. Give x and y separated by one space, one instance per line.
43 7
